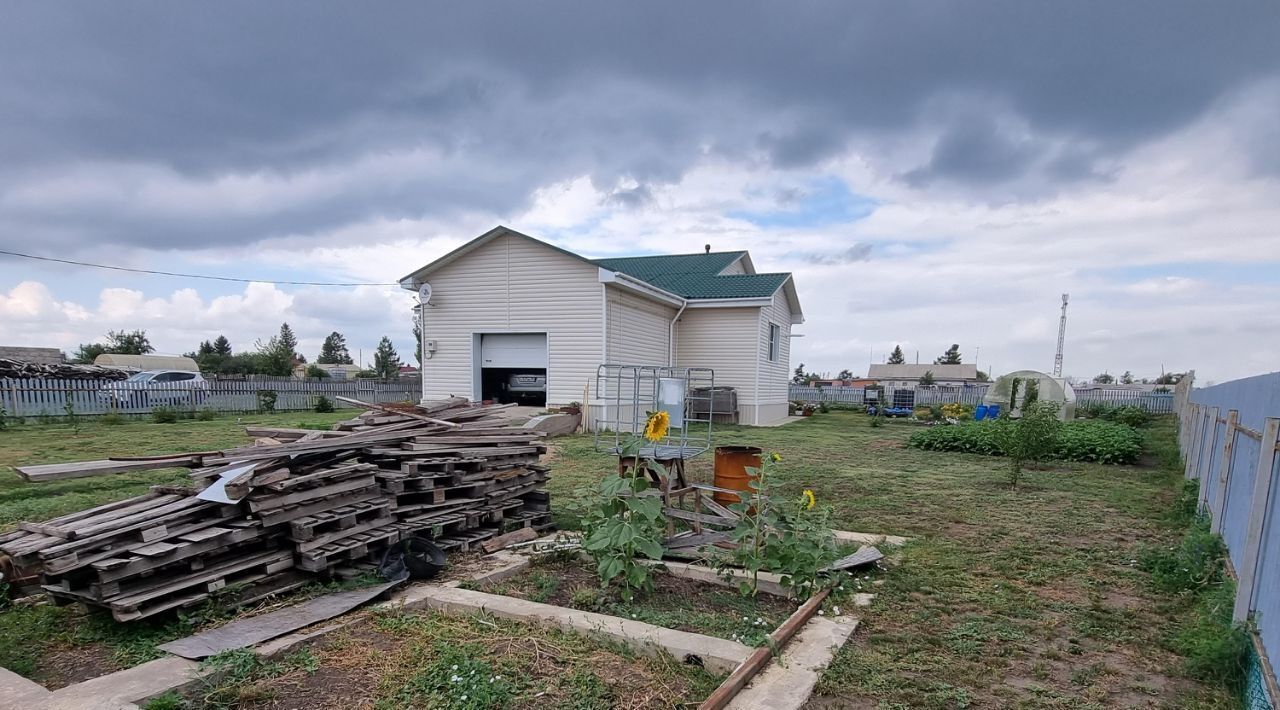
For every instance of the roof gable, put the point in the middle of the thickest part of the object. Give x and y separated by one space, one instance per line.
697 275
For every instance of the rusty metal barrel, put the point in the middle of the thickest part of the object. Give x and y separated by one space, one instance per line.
731 472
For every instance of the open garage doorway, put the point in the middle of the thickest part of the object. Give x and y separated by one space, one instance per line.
512 367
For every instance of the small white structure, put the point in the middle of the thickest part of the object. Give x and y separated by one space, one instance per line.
142 363
1048 387
506 304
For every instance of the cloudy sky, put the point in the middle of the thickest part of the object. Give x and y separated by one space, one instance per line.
932 172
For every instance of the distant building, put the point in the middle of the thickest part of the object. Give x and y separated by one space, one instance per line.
909 375
38 356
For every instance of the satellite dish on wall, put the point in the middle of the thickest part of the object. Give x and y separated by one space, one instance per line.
424 293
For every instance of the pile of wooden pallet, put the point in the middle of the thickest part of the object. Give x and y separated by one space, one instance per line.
266 518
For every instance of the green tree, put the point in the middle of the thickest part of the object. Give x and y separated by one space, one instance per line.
798 377
385 360
983 377
288 341
1103 379
1169 378
896 357
88 352
318 372
334 350
222 346
205 349
1030 438
417 341
927 379
950 357
1126 378
845 374
119 342
279 354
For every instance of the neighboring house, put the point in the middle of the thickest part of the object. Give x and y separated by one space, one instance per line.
909 375
506 303
38 356
142 363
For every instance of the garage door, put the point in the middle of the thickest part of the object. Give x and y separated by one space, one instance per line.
524 350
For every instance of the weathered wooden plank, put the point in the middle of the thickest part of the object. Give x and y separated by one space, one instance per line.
864 556
86 469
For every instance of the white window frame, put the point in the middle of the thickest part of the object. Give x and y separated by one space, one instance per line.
775 341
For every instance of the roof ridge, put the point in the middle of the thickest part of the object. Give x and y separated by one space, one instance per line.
668 256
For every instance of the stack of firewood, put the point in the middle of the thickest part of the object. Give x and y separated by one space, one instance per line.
266 518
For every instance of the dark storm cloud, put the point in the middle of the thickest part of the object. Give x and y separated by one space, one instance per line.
499 99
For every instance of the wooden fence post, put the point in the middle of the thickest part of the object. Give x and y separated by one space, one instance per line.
1224 472
1264 478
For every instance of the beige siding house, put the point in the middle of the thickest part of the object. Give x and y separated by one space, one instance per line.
506 305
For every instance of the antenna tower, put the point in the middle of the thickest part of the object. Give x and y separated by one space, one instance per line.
1062 337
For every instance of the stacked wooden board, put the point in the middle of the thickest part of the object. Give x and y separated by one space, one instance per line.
299 503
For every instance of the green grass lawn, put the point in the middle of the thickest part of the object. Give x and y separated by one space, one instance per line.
1027 597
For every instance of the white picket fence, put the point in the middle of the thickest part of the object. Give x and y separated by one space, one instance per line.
1154 402
906 396
57 397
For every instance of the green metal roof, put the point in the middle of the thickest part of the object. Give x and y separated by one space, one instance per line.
697 275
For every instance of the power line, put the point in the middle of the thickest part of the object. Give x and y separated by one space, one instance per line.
189 276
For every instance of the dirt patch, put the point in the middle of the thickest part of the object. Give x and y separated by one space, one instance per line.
425 660
676 603
66 665
885 444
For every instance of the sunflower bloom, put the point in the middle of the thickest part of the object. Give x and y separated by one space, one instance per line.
809 499
655 429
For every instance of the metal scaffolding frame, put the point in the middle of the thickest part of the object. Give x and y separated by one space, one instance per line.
628 393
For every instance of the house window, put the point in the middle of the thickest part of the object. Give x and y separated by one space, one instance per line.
774 333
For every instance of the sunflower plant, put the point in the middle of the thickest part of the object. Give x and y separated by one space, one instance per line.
789 536
621 523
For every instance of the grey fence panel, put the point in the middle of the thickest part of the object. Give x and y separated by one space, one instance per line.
54 397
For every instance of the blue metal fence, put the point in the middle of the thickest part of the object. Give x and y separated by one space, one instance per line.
1229 436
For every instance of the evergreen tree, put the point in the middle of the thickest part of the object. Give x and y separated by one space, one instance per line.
334 350
205 349
896 357
221 345
799 378
417 339
385 360
288 341
950 357
927 379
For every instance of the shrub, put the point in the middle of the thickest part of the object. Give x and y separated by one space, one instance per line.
324 404
1084 440
267 401
1196 563
823 407
112 418
164 415
1129 415
206 415
1031 437
1099 442
317 372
